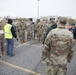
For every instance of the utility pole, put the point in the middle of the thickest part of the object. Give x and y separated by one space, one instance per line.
38 10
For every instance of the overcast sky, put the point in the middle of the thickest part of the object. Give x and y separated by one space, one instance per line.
29 8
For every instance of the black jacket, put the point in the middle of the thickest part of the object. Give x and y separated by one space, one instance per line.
13 32
74 33
48 30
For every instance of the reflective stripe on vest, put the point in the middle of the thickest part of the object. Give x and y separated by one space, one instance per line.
7 31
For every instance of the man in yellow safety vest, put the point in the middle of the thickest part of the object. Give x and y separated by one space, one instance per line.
9 34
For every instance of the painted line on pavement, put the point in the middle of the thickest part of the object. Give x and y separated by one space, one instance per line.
21 45
27 44
20 68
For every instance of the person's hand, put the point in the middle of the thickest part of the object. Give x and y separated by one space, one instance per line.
17 39
43 62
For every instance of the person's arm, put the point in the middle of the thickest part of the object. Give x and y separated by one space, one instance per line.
48 30
45 35
70 55
13 32
46 50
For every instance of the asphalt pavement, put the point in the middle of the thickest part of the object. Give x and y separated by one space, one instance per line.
27 60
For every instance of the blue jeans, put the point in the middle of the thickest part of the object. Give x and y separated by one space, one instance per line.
9 46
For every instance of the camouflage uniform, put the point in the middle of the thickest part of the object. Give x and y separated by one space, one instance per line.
32 31
29 31
2 49
58 51
17 28
35 30
40 33
21 31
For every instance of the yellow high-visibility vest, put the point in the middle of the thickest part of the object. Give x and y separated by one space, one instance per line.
7 31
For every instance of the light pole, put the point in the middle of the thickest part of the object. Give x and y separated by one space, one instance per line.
38 10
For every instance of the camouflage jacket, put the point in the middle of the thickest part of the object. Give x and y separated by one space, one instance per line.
48 30
58 46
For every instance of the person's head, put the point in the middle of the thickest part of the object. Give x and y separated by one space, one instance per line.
50 23
38 20
9 21
73 25
62 21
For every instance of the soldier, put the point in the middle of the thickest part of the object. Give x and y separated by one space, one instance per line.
40 32
21 31
2 49
17 28
32 30
58 49
29 30
35 28
52 25
1 43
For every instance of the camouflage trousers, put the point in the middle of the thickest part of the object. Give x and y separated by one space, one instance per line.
40 38
2 47
56 70
22 39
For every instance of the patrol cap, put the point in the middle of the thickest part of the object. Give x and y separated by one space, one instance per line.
62 20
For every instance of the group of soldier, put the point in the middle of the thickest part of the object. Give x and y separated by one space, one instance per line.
58 42
29 30
58 50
